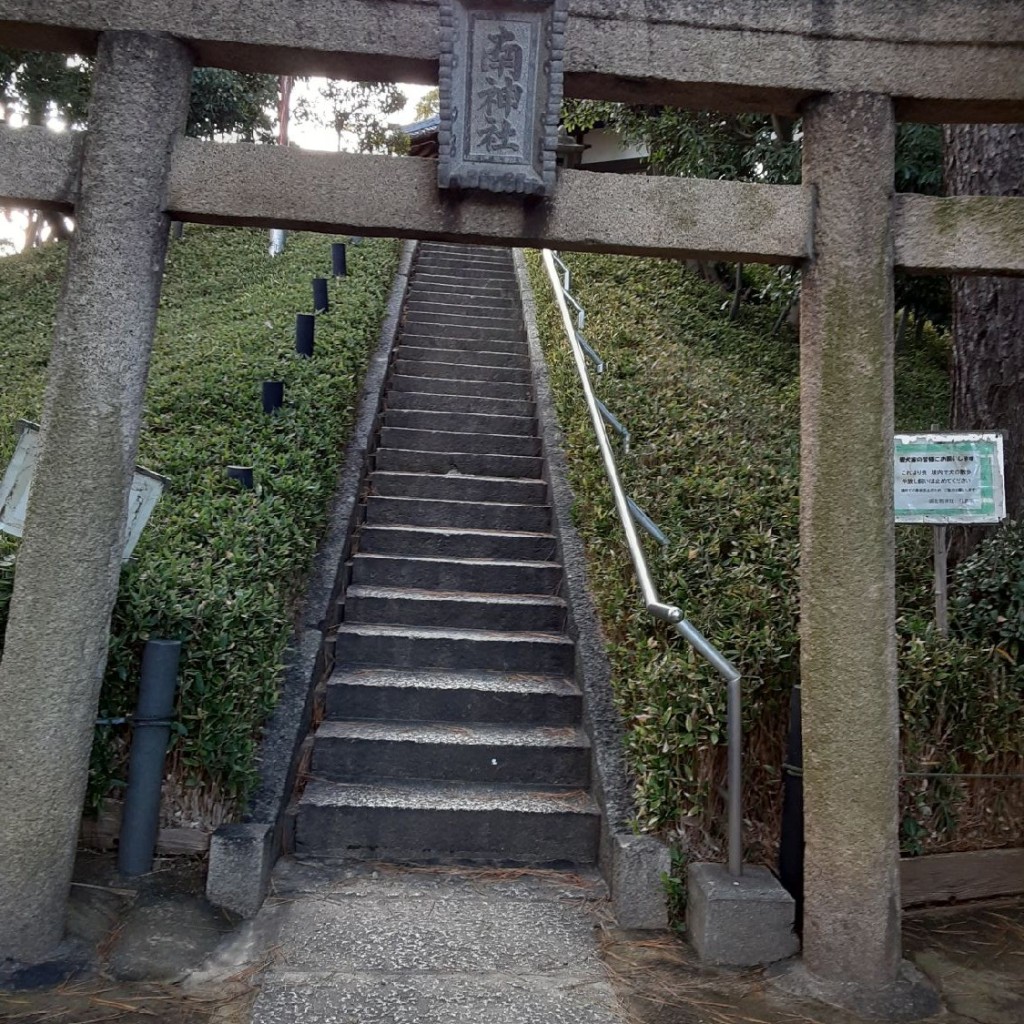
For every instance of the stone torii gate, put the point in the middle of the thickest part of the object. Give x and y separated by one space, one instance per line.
851 68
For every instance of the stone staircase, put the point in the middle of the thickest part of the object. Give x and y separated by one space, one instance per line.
453 723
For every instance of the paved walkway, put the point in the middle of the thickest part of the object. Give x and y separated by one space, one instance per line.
361 945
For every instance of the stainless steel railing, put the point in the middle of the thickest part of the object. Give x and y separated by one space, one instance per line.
631 514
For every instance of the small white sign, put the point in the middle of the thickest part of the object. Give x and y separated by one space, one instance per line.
949 478
17 483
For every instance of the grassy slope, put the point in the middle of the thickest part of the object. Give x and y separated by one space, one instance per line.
216 567
713 409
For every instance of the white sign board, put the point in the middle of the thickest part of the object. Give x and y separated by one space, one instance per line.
17 483
949 478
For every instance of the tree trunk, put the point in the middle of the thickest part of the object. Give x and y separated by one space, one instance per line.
988 313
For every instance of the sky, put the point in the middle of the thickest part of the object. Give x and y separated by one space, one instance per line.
308 135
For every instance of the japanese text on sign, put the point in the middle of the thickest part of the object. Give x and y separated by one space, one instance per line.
948 478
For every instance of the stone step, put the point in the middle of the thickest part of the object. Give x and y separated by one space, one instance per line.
503 330
434 306
474 357
426 277
384 510
471 344
398 460
433 401
459 487
461 371
478 575
482 316
450 386
429 250
381 646
497 269
488 754
445 278
447 821
421 696
413 439
395 605
456 299
468 422
452 542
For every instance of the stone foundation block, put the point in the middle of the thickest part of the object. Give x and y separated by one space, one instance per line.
739 921
241 858
639 867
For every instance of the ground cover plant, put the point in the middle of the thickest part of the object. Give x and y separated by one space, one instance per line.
218 567
713 409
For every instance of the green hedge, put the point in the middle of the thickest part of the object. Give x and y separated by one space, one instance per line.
713 407
217 567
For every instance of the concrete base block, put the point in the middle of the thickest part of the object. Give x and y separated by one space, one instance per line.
639 867
241 858
738 921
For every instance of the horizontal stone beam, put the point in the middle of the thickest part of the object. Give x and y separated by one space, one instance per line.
398 196
960 234
943 61
39 167
270 186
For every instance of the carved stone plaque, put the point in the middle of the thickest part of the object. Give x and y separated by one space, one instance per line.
501 94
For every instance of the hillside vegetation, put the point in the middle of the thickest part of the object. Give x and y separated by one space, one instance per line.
217 567
713 407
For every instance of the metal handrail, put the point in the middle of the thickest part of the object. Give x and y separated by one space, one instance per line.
627 509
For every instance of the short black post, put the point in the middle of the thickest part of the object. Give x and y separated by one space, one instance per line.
320 303
338 264
243 474
152 730
273 395
305 326
791 843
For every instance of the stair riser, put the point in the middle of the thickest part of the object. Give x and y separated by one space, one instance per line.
442 281
459 441
361 760
397 461
427 256
387 650
467 388
461 371
451 343
469 269
415 704
404 611
416 835
484 577
420 512
475 357
454 301
456 545
455 488
427 401
441 307
472 422
501 331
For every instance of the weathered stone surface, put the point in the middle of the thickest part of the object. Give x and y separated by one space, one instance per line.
241 858
948 61
739 922
959 234
847 605
501 94
640 866
70 558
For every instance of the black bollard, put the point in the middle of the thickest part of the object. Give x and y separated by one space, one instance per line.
338 264
305 326
320 303
791 843
243 474
273 395
152 730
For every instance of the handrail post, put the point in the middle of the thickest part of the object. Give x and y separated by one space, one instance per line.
734 723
